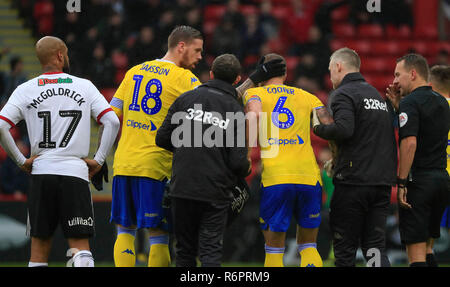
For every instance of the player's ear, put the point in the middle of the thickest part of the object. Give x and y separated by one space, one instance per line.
211 75
181 46
413 74
238 79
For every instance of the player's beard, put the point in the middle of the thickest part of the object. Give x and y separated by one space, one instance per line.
186 64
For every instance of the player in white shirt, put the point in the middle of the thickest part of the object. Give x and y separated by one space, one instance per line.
57 109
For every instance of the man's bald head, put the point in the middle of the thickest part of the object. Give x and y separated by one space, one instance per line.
52 51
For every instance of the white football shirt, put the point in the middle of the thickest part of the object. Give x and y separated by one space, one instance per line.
57 109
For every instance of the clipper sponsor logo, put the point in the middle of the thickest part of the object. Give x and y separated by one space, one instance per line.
46 81
283 142
138 125
81 221
44 95
193 80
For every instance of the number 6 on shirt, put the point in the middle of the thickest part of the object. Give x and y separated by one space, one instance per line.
279 109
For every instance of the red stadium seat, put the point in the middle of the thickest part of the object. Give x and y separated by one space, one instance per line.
420 47
392 48
426 32
370 31
322 96
248 9
340 14
381 65
336 44
209 26
277 46
402 32
362 47
434 47
344 30
292 62
280 12
213 12
380 82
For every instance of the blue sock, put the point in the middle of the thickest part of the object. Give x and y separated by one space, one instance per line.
160 239
130 231
300 247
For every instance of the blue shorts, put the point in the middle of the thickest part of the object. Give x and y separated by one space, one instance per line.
445 221
280 202
138 201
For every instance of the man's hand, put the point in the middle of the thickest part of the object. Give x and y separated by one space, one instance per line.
315 119
93 166
266 71
393 94
97 173
401 197
28 165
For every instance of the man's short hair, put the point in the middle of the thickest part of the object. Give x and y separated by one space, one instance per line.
183 34
347 56
440 78
416 62
273 56
226 67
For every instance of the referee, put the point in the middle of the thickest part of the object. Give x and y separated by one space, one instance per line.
365 165
423 190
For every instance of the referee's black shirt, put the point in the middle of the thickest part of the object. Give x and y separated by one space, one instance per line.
425 114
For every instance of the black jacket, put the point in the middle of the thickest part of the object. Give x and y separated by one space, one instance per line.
205 130
364 133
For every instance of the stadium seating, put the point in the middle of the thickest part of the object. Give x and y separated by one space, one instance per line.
370 31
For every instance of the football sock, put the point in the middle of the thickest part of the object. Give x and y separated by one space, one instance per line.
159 255
274 256
309 256
83 258
431 260
37 264
124 252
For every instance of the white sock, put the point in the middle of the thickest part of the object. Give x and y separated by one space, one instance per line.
37 264
83 258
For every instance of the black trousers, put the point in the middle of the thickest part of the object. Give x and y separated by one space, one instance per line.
358 219
199 227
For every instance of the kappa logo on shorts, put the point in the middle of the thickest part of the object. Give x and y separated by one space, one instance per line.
81 221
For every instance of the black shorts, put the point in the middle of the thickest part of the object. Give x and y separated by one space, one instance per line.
428 194
60 199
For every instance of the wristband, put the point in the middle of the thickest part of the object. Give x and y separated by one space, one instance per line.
401 182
